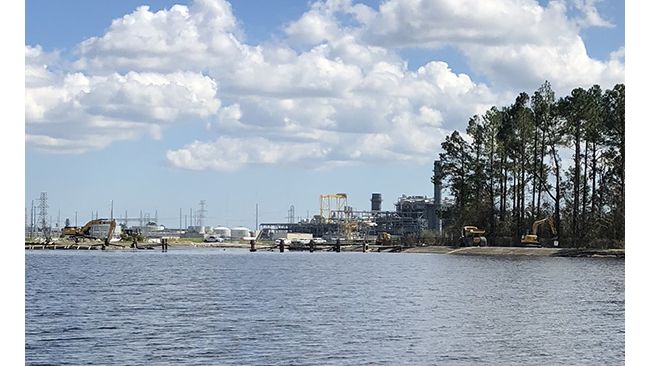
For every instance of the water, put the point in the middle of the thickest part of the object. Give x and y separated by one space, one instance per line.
209 306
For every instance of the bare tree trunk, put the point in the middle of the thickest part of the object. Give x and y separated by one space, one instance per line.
576 182
584 217
522 204
594 198
503 181
541 174
534 169
493 226
558 224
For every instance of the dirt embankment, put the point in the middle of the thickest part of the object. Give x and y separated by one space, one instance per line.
517 251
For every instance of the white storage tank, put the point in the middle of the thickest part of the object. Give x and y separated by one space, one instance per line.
221 231
239 232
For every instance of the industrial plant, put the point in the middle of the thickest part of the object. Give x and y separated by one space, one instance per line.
336 220
410 216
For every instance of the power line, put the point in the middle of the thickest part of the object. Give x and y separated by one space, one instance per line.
42 212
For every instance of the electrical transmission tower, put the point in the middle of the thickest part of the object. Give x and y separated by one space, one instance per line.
202 212
42 213
291 216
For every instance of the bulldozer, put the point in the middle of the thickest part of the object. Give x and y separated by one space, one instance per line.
77 233
532 239
473 236
383 238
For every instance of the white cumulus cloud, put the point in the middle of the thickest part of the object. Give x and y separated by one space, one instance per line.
75 112
334 91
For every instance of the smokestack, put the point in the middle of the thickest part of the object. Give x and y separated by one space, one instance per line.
375 202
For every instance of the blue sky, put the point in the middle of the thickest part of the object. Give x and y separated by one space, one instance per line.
320 97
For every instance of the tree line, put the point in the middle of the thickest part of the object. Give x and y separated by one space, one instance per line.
508 170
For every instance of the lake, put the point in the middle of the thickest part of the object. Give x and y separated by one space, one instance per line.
232 307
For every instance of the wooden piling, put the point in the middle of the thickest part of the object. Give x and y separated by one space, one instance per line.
311 246
253 246
281 245
337 247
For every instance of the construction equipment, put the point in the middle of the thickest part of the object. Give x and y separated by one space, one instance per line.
86 231
532 239
473 236
383 238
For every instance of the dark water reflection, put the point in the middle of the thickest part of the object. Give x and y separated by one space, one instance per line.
206 306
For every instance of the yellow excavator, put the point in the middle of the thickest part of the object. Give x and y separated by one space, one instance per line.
531 239
473 236
76 233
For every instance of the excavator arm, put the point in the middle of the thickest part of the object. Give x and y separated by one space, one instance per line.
84 231
532 237
549 220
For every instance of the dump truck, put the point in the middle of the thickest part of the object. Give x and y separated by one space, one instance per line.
472 236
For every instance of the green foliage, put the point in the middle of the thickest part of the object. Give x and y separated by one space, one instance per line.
507 170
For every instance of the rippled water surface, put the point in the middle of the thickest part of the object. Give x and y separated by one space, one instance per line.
209 307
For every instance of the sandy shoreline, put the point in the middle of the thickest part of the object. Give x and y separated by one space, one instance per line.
489 251
483 251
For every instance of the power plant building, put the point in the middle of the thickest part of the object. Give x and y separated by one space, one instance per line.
412 216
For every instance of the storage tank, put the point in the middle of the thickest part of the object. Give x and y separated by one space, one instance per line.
221 231
239 232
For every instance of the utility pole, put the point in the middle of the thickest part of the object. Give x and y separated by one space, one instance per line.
291 217
31 225
111 209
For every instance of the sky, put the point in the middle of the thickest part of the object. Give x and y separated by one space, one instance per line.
157 105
